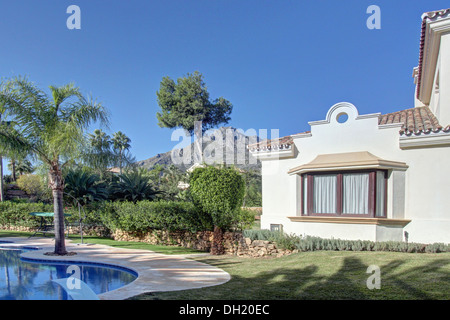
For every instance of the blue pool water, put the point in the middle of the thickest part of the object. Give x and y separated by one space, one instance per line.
28 280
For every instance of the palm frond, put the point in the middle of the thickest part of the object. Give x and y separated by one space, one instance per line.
14 141
84 112
63 93
25 104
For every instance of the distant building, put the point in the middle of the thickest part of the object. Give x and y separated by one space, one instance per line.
114 170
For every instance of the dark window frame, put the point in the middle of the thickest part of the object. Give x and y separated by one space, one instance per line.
339 192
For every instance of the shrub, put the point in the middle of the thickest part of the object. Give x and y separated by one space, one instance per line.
437 247
260 234
310 243
34 185
14 213
220 193
84 187
143 216
244 219
18 214
134 185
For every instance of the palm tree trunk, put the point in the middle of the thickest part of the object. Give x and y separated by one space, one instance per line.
57 185
60 245
120 163
13 163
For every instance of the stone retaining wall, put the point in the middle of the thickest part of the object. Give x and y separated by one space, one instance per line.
234 242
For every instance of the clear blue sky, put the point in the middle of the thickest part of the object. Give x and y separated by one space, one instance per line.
281 63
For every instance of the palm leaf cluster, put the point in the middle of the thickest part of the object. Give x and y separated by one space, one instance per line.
51 129
104 152
134 186
84 187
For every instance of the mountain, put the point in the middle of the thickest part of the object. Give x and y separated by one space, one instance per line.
226 145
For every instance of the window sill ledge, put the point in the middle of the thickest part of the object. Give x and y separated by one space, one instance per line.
350 220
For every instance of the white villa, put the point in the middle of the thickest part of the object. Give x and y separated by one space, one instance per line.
375 176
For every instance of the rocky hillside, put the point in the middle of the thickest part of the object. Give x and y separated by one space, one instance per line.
226 145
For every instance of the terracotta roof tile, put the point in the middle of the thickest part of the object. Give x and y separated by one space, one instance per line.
274 144
415 121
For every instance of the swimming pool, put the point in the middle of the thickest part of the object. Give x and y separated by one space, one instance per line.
22 279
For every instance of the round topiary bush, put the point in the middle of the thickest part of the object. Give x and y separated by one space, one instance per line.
220 193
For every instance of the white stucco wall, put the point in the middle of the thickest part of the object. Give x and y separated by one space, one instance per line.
440 99
421 193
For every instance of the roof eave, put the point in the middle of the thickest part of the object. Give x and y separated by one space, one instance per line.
434 24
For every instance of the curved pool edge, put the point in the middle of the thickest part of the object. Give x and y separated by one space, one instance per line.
79 262
155 272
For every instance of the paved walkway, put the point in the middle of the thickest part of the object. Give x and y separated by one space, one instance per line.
156 272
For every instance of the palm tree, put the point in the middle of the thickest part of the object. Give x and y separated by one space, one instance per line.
2 150
134 185
18 165
51 128
24 166
1 179
83 187
171 178
121 143
99 155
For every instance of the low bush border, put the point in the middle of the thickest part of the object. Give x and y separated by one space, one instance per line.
310 243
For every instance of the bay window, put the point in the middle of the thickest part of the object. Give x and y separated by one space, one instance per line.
352 193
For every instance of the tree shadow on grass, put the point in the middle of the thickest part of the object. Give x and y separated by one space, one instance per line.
419 282
347 283
400 280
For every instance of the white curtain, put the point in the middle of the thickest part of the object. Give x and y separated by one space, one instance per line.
325 194
355 188
380 194
305 194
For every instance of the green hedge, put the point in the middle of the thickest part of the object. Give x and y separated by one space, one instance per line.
309 243
220 192
18 214
127 216
149 215
14 213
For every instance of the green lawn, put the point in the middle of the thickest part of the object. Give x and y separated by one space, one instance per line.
325 275
316 275
112 243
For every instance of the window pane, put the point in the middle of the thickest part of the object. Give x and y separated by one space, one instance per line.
324 196
355 193
381 186
305 194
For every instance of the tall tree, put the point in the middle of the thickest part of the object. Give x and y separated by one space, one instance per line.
24 166
51 128
16 158
2 196
20 166
3 150
121 143
99 155
186 103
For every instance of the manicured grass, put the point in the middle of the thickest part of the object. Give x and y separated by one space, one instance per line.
138 245
320 275
325 275
112 243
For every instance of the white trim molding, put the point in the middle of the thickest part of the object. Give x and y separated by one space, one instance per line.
425 140
435 28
